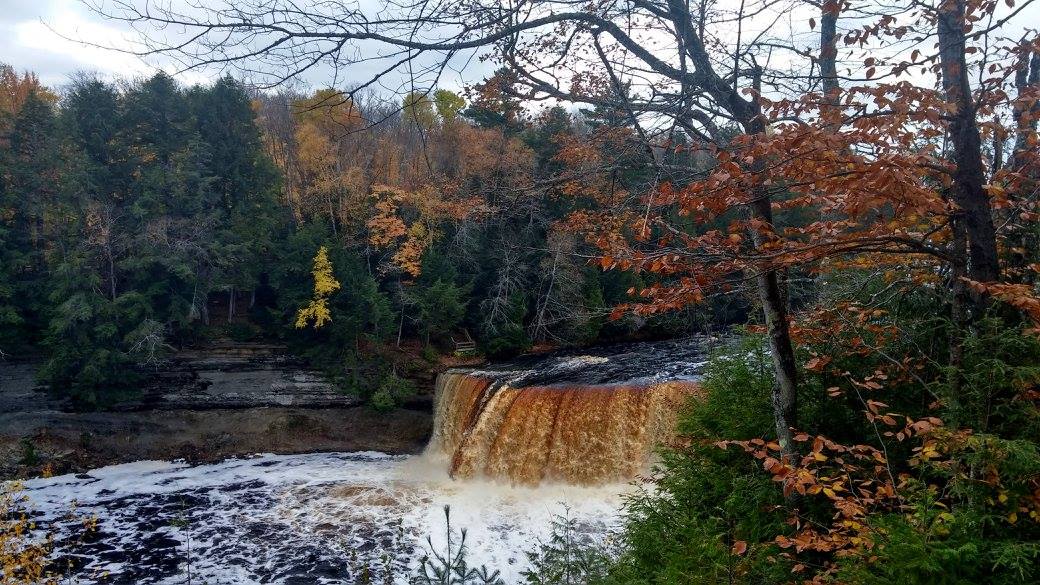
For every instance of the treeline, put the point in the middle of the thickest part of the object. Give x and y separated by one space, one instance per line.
140 217
124 209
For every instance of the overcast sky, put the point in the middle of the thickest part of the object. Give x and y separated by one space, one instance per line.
31 38
34 36
26 42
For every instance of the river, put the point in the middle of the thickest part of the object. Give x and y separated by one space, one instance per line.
315 518
513 447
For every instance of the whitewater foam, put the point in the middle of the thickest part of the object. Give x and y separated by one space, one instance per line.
316 518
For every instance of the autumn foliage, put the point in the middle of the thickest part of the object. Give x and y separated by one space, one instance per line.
325 284
23 553
867 185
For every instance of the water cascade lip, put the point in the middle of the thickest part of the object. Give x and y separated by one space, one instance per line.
583 417
636 363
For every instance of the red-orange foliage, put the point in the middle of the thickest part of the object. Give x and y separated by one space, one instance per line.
387 228
870 192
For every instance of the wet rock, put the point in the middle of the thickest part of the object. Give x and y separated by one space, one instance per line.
238 376
621 363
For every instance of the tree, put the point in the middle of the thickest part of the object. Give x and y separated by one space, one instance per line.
90 116
30 182
495 105
543 36
15 89
419 109
115 225
325 284
448 105
969 177
769 203
440 306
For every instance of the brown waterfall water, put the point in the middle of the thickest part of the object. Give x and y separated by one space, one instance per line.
582 434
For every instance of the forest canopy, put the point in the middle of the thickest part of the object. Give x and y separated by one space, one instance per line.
146 216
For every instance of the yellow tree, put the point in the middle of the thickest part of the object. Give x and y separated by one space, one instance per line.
323 180
325 284
336 115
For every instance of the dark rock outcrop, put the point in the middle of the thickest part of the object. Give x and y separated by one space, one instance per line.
238 376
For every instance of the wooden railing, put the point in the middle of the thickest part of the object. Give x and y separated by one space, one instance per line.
464 345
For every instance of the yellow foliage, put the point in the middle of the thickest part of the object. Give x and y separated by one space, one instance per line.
325 284
23 559
331 110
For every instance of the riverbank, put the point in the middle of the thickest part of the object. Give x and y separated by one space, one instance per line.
202 406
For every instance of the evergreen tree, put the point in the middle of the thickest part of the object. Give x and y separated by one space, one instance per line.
243 183
165 195
91 121
29 181
544 139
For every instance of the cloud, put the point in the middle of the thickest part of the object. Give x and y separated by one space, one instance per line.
36 36
41 36
52 43
55 38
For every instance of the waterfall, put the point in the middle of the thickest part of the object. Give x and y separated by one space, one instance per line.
556 432
583 434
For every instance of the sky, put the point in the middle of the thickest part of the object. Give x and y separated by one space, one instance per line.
29 41
35 35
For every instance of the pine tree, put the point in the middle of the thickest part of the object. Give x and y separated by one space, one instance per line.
29 181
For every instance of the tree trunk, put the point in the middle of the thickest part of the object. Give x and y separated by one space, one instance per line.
1021 239
1027 78
544 301
829 50
770 291
969 175
784 396
111 271
774 308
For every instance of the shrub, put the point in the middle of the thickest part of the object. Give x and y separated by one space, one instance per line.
449 566
23 556
391 392
711 514
888 492
568 556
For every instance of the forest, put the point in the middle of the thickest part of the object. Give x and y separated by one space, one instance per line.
859 216
145 216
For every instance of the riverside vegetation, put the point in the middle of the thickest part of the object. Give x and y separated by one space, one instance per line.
874 232
961 507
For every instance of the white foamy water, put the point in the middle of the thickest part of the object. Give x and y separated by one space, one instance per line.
315 518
